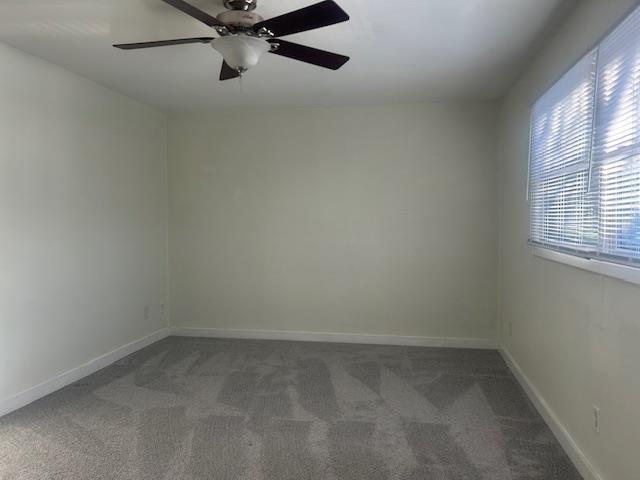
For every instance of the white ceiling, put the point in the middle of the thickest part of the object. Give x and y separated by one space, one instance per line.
401 50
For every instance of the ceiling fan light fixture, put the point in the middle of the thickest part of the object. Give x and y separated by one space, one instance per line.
245 36
241 52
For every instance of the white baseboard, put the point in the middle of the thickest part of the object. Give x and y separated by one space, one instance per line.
577 456
478 343
45 388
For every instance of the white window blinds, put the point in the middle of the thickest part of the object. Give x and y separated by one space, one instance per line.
584 187
560 157
616 146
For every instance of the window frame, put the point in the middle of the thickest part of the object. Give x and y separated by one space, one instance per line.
628 272
608 269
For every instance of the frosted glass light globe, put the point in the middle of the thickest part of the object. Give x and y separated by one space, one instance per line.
241 52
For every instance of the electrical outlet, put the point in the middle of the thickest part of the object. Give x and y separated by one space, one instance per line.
146 312
596 419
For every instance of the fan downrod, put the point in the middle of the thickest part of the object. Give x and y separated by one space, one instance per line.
243 5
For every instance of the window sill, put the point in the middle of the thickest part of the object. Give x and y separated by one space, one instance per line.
621 272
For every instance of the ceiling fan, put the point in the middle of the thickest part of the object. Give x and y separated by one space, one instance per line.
244 36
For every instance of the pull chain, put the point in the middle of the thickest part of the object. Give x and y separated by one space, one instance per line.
241 71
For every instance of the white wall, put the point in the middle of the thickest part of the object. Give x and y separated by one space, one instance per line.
576 335
82 221
375 220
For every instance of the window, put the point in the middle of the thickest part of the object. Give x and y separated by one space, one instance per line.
584 175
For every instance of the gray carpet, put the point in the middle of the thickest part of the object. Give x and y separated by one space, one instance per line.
187 408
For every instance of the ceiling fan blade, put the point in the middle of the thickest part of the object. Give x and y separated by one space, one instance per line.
227 73
162 43
309 55
316 16
195 12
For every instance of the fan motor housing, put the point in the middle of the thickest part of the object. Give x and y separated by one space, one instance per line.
240 18
245 5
